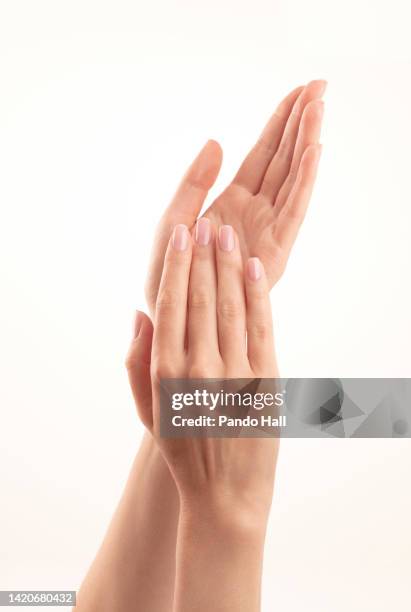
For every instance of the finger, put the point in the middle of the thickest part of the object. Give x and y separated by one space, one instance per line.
199 178
202 294
280 165
308 134
171 305
184 208
253 168
260 342
293 212
138 367
230 297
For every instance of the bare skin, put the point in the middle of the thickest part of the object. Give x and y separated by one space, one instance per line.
137 547
267 199
224 485
265 203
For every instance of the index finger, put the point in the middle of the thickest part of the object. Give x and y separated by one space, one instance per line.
171 305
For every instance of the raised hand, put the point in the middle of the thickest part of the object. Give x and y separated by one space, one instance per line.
267 199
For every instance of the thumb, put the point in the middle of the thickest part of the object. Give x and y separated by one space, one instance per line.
138 367
196 182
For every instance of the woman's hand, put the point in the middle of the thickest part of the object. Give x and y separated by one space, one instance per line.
213 320
267 199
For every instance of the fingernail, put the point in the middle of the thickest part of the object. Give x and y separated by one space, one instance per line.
226 238
180 237
254 269
203 231
138 319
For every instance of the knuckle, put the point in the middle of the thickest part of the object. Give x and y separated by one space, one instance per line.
229 310
199 370
259 294
261 330
167 300
163 368
199 299
177 259
131 361
229 264
136 358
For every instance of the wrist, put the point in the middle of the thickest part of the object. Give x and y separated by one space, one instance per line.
225 514
219 557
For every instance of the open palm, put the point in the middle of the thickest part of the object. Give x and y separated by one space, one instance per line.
268 197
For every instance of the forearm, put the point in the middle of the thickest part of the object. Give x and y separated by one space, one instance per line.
135 566
219 561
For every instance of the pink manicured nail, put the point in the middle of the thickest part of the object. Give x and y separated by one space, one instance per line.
203 231
180 237
254 269
226 238
138 319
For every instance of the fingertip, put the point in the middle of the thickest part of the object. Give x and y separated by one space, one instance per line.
295 92
214 147
207 165
318 85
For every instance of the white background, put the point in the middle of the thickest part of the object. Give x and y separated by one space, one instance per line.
102 106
